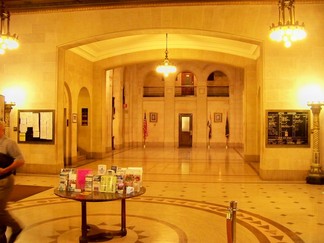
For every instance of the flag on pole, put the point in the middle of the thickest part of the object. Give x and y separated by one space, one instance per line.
227 132
145 131
209 125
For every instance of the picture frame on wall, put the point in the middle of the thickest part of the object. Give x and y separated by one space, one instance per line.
153 116
218 117
74 117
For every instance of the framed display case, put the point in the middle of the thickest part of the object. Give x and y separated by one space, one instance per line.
287 128
36 126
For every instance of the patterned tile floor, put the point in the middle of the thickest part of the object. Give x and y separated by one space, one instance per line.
187 195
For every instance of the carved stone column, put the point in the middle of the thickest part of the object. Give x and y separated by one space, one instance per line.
315 175
7 110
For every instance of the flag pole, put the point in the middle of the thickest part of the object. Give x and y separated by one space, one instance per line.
209 125
227 132
145 132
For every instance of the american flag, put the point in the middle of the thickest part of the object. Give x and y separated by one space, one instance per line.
209 124
227 132
145 131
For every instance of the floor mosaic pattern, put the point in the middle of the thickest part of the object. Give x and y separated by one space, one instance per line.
188 192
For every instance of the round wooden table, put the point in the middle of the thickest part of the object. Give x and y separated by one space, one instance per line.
92 196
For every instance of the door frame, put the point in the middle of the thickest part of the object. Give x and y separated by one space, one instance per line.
185 134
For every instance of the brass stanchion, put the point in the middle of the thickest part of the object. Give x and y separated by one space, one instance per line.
231 222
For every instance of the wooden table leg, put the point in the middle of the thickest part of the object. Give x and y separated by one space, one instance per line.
84 226
123 230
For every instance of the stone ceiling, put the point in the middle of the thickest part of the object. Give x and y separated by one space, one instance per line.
41 5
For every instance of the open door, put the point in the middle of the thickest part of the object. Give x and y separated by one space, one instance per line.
187 84
185 130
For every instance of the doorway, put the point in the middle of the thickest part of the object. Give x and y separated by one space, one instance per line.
67 130
185 130
187 84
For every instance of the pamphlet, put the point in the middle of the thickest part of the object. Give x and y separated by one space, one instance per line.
81 175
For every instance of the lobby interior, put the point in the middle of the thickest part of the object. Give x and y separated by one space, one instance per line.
91 68
188 192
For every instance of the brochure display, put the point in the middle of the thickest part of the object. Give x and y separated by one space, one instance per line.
85 185
113 180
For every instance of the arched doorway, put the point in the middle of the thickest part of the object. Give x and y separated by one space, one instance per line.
67 127
84 124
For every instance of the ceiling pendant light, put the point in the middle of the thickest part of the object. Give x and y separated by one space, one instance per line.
288 29
7 41
166 67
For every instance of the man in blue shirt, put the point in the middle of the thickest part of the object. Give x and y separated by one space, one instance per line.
11 158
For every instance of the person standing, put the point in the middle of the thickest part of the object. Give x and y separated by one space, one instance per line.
11 158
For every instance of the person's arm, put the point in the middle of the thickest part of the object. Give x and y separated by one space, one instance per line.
16 164
18 159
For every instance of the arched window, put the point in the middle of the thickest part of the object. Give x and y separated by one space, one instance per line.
216 75
186 84
153 85
217 84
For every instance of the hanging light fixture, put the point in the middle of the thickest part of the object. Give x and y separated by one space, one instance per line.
166 67
7 41
288 29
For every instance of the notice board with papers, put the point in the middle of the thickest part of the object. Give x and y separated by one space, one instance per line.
36 126
288 128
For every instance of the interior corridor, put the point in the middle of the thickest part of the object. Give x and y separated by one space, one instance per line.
187 195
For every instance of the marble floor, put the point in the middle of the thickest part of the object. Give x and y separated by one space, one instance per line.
188 192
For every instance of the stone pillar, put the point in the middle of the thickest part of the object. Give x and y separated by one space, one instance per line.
7 110
315 175
2 106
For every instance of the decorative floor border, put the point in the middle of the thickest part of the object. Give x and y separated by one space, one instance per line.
264 229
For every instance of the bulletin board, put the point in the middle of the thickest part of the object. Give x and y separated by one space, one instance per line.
36 126
288 128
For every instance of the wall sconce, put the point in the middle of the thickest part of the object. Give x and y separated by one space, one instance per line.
315 175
